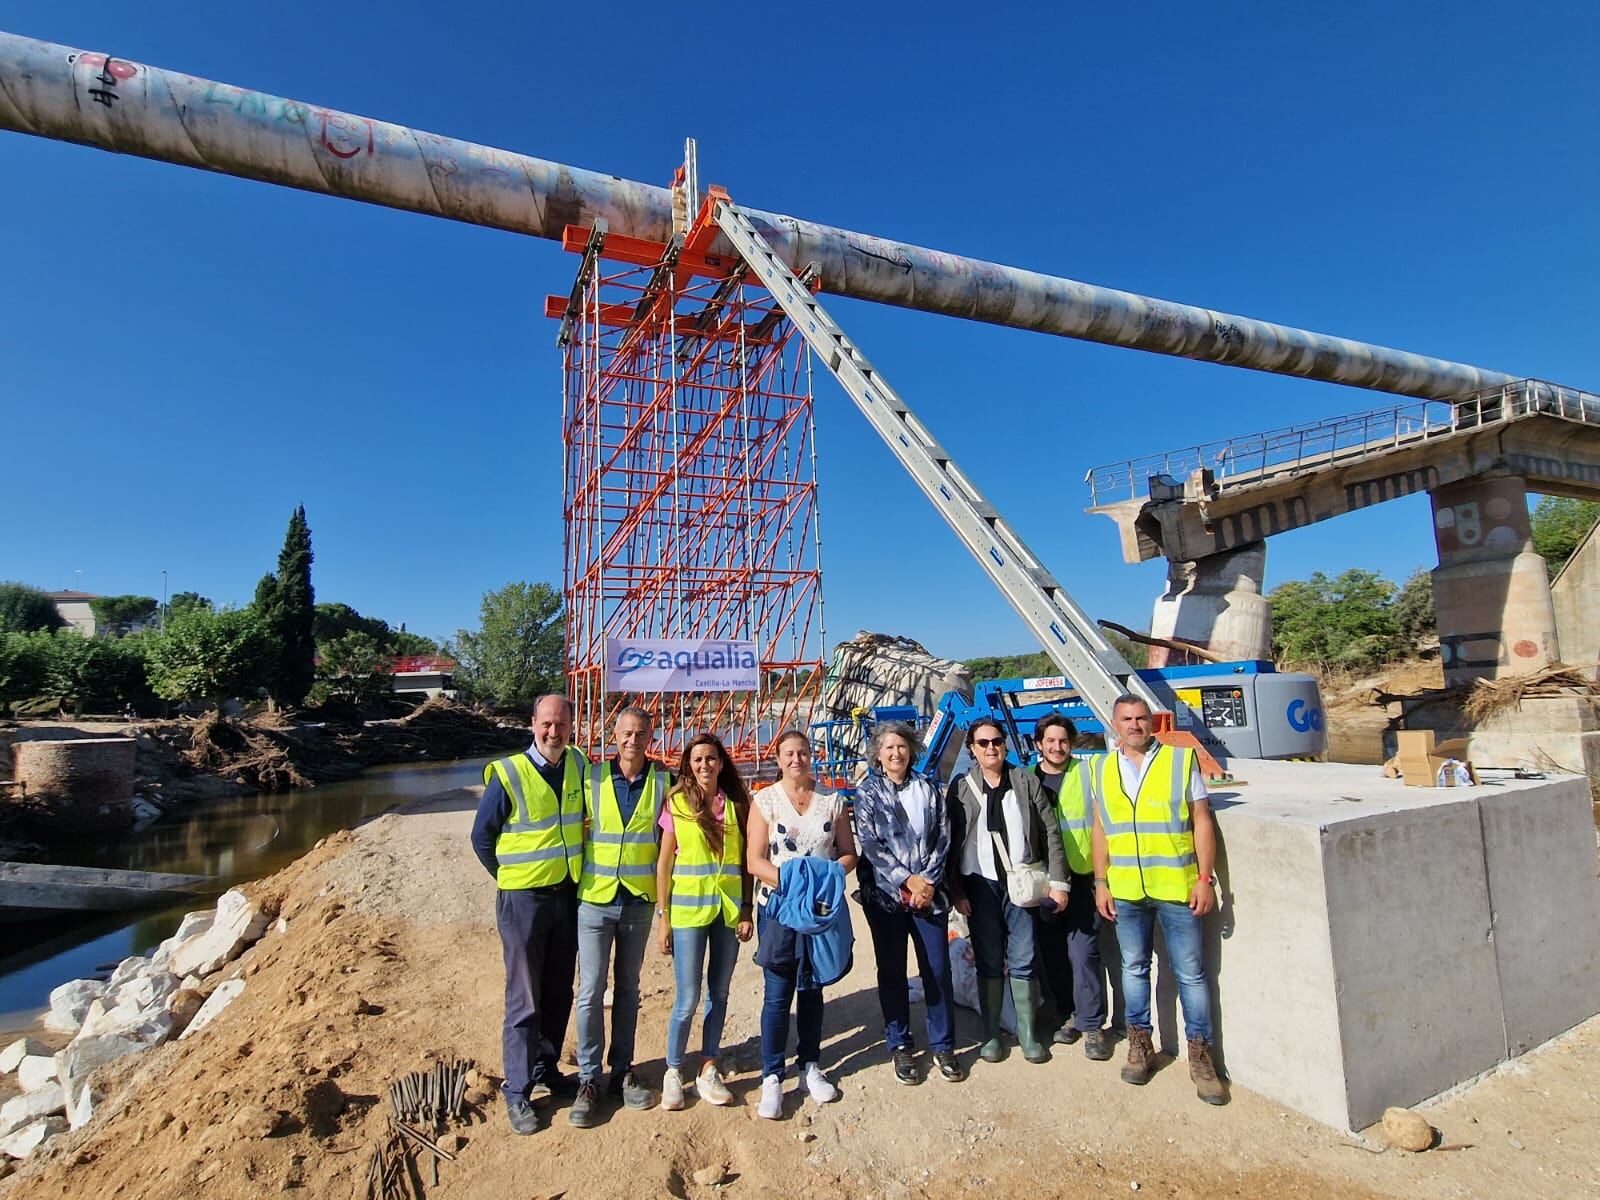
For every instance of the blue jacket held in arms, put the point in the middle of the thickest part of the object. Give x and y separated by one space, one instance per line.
808 926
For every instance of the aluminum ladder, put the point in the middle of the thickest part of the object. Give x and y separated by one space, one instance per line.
1097 671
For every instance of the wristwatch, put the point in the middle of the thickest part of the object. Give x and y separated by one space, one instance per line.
661 912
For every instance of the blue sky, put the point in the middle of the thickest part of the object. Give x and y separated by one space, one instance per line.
187 356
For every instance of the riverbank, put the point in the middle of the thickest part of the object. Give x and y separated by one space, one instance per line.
388 957
183 762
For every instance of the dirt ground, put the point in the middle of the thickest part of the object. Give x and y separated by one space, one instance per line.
390 958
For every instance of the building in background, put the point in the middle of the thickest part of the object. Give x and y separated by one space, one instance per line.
75 611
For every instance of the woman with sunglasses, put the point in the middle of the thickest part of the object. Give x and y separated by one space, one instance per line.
999 814
703 905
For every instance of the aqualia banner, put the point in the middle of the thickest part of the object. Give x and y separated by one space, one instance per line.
681 665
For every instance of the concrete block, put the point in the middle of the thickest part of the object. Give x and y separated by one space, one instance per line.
1539 850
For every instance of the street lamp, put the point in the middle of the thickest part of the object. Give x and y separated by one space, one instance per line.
163 601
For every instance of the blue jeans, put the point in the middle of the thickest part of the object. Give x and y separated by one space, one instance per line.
1002 933
779 994
928 938
625 925
1136 922
690 949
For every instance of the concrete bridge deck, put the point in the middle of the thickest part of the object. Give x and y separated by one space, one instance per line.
1219 497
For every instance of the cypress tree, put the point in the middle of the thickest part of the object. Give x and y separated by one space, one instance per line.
287 604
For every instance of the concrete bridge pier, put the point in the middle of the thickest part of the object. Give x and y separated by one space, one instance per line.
1216 602
1491 592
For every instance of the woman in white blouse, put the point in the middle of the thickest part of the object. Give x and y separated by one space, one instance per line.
791 819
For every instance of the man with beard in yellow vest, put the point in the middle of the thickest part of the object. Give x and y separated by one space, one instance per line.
529 835
1154 850
1069 939
616 902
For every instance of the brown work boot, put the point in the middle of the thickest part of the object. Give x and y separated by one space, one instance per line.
1141 1057
1204 1073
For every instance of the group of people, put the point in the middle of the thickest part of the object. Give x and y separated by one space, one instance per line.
590 857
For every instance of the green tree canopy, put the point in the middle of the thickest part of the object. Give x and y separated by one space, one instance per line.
516 654
335 620
116 615
24 662
209 655
24 609
1559 524
1348 620
353 668
94 673
1413 607
286 603
186 600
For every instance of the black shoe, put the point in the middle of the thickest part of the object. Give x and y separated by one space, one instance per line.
950 1068
905 1067
552 1082
1097 1045
524 1120
585 1108
1067 1035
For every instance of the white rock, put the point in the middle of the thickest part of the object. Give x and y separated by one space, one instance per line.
69 1003
80 1105
192 926
11 1057
127 969
144 991
147 1026
30 1106
35 1071
30 1137
85 1054
238 923
225 995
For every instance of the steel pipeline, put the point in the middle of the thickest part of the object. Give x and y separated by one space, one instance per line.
115 104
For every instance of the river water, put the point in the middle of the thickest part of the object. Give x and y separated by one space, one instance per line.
236 840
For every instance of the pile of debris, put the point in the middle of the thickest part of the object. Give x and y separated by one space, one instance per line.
1492 696
874 669
175 992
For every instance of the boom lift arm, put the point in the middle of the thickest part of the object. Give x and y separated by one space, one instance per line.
1071 639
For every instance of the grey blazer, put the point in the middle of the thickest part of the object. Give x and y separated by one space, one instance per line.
1042 832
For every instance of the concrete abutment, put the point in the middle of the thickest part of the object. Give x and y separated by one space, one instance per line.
1216 602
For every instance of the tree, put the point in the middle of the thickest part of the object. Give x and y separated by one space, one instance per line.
101 673
517 654
1559 524
354 668
401 643
182 601
209 655
335 620
24 609
1345 621
117 615
1413 608
287 604
24 660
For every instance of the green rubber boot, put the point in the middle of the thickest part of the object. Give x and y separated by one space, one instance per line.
991 996
1025 995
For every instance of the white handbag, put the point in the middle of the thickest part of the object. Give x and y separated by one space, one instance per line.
1026 883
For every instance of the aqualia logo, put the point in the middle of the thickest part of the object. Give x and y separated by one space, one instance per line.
690 662
1302 717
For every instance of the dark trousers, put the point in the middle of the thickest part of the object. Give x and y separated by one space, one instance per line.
1002 933
539 939
929 938
779 993
1069 956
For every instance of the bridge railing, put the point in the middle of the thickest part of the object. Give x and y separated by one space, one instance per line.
1338 440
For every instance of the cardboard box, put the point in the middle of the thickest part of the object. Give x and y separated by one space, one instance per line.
1419 757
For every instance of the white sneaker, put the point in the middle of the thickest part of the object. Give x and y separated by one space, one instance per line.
672 1090
771 1106
710 1086
816 1083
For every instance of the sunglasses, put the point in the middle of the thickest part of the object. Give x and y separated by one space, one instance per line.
988 743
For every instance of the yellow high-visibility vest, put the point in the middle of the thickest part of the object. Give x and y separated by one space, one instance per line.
542 844
703 885
1150 838
615 853
1075 814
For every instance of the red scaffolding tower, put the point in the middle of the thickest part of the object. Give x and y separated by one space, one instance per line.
689 483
